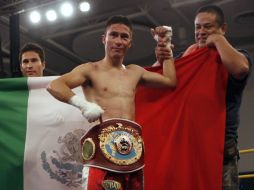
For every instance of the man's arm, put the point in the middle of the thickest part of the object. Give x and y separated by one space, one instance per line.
167 79
234 61
169 71
61 87
162 34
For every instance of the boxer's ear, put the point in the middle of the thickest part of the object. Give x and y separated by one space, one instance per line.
103 38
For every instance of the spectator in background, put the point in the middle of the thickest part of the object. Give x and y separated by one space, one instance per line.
32 60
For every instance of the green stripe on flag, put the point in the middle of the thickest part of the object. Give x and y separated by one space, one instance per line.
13 115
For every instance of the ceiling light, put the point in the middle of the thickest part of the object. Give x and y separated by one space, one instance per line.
66 9
84 6
35 17
51 15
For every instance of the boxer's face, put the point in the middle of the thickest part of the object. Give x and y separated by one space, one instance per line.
205 25
117 40
31 65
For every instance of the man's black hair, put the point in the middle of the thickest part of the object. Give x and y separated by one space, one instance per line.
214 10
119 19
32 47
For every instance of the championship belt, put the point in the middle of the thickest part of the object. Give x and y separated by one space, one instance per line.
114 145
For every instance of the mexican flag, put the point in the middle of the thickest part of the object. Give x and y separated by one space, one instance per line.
39 137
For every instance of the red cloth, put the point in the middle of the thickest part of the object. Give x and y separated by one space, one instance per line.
191 49
183 129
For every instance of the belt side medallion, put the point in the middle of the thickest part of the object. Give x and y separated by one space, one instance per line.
88 149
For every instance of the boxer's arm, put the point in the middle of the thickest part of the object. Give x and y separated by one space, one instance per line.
166 79
169 70
61 87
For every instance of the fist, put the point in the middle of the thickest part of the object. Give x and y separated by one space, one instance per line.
162 34
213 39
92 112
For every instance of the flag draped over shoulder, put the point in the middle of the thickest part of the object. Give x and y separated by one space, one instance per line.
39 137
183 129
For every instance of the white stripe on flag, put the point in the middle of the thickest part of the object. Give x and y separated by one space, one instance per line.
52 140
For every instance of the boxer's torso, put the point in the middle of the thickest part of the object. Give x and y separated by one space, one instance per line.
113 89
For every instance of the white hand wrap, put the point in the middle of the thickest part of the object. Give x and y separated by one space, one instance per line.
169 35
90 111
